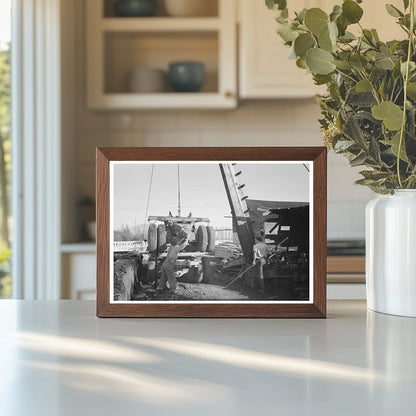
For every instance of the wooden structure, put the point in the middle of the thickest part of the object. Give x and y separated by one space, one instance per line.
239 209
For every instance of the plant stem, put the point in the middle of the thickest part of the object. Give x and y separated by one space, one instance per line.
406 80
346 75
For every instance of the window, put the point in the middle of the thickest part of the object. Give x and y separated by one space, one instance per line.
5 145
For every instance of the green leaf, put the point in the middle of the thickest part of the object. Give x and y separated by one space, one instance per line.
358 160
321 79
358 61
276 4
347 37
384 62
342 25
354 132
301 15
336 12
351 11
316 20
319 61
368 36
363 86
393 11
375 35
303 43
412 67
406 4
333 32
411 90
301 63
344 65
394 145
374 175
365 182
343 145
325 42
287 33
388 112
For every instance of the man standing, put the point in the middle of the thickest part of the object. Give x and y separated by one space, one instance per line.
260 254
168 266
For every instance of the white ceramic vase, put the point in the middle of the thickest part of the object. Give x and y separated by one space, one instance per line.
391 253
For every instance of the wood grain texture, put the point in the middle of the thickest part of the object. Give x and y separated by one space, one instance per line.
346 264
317 309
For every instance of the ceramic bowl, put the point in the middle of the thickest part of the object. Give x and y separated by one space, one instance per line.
186 76
135 8
147 80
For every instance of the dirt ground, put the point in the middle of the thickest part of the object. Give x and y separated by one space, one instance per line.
192 291
127 286
216 290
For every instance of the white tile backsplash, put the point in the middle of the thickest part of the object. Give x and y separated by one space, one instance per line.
258 123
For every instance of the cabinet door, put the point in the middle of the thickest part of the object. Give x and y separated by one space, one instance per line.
265 68
78 276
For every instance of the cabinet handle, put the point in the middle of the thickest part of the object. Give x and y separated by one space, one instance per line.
229 94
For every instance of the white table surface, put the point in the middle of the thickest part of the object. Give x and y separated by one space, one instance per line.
57 358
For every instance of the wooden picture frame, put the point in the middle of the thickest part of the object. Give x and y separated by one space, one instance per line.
313 159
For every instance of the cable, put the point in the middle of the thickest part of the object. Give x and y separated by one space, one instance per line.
179 192
148 197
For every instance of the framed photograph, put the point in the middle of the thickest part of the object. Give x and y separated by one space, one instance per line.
211 232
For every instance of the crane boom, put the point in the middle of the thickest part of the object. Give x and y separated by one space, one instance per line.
239 209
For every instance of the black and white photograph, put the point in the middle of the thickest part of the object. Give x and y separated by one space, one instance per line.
211 231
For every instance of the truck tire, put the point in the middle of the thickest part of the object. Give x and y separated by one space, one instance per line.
161 238
201 238
211 239
206 269
152 238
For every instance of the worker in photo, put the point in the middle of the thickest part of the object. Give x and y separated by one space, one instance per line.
168 266
259 255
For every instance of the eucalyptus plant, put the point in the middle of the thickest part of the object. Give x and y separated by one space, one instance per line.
369 111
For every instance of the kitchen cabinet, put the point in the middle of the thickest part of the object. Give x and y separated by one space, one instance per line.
78 263
118 45
265 70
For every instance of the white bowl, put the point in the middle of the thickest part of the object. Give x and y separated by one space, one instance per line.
92 230
191 8
147 80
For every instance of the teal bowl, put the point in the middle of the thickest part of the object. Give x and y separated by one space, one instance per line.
187 76
135 8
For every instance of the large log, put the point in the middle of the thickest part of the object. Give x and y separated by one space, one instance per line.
125 275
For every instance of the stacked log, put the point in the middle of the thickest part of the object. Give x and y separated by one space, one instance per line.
227 251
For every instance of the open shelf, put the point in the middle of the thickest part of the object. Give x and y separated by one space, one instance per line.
119 45
160 24
210 10
167 100
127 51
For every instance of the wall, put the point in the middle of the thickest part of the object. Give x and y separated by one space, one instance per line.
255 123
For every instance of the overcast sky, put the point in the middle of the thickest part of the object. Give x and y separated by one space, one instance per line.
202 189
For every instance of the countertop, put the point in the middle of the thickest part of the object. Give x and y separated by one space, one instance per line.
57 358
